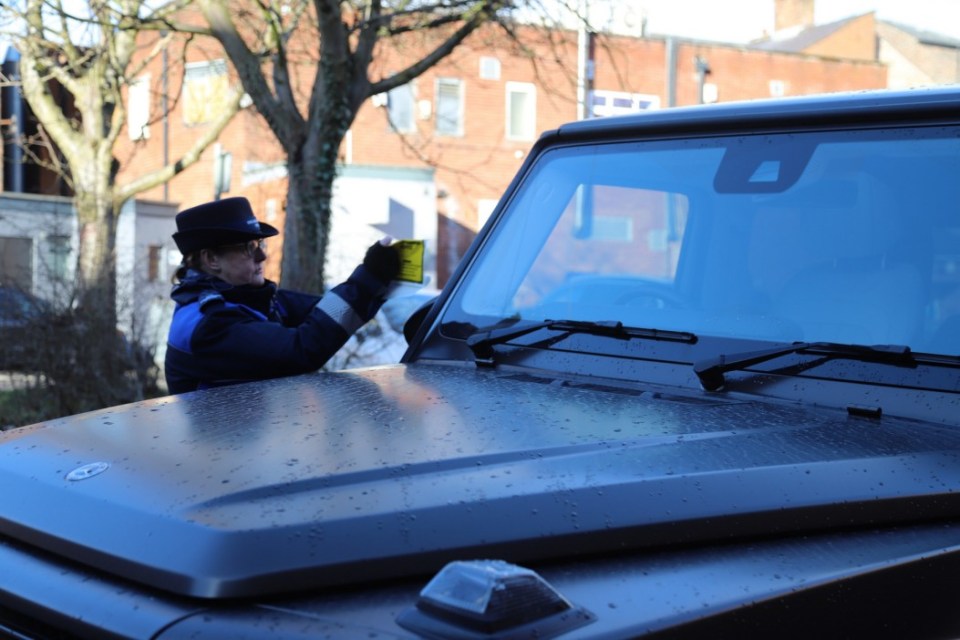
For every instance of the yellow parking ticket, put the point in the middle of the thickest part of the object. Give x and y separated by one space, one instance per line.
411 260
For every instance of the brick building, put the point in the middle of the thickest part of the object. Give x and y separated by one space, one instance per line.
432 158
459 132
913 57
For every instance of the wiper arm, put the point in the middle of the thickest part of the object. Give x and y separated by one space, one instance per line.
482 342
711 370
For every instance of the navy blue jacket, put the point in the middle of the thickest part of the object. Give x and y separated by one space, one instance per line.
222 334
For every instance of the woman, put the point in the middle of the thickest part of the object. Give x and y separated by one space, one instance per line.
232 325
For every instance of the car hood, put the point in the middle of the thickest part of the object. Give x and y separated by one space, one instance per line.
337 478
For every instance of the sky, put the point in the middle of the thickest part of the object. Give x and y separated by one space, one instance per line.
740 21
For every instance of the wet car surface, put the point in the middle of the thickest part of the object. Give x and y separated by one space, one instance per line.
697 377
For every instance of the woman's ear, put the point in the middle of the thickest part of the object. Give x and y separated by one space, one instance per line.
210 261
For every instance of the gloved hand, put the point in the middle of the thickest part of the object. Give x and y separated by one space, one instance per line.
382 261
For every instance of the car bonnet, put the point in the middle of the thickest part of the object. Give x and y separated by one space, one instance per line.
332 479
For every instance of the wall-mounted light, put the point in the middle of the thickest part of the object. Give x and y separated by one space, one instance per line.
703 70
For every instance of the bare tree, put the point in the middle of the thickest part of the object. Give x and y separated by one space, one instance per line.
92 52
308 66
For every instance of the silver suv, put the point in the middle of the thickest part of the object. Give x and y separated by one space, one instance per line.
699 376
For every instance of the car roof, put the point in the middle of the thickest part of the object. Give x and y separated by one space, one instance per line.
755 115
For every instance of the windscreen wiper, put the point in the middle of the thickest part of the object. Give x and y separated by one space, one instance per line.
711 370
483 341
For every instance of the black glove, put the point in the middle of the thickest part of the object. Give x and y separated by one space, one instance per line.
383 262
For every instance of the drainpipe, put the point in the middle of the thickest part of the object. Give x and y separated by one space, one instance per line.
582 61
13 113
671 71
165 79
703 70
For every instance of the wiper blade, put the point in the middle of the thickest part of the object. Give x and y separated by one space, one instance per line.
711 370
482 342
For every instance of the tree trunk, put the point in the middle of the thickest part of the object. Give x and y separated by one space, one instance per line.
306 227
312 170
91 360
97 257
349 36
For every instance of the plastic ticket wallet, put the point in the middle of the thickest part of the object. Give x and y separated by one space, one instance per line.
411 260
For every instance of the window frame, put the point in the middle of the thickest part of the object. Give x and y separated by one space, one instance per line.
138 108
196 113
529 125
456 131
393 95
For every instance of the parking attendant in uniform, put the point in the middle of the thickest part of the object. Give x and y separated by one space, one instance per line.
233 325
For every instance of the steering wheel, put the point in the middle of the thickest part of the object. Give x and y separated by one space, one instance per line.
654 297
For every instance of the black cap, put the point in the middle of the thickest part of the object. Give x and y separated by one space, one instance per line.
213 224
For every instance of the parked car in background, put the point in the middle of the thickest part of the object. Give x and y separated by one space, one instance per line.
19 310
698 377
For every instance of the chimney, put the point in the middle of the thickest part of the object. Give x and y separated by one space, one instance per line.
792 14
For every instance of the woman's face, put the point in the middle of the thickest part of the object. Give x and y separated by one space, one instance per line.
238 264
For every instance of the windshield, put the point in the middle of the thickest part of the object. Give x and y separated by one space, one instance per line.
843 236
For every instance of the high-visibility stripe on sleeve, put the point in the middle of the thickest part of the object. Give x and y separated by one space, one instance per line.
340 312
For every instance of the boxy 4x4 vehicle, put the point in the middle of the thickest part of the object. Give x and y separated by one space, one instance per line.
697 377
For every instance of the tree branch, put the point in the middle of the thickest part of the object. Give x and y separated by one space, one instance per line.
281 114
213 131
482 14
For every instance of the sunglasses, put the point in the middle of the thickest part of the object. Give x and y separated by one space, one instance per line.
249 248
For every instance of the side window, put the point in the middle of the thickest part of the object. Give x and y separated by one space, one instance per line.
449 106
138 109
204 91
400 108
521 111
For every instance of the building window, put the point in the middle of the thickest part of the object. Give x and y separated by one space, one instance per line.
711 93
205 87
612 228
270 210
521 111
489 68
400 108
58 257
154 254
449 106
138 109
16 262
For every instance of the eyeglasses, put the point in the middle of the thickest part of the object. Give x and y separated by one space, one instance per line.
249 248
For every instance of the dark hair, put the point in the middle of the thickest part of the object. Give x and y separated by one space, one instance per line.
189 261
194 261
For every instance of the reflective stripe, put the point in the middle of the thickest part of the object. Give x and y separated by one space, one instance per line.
340 312
209 296
185 320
